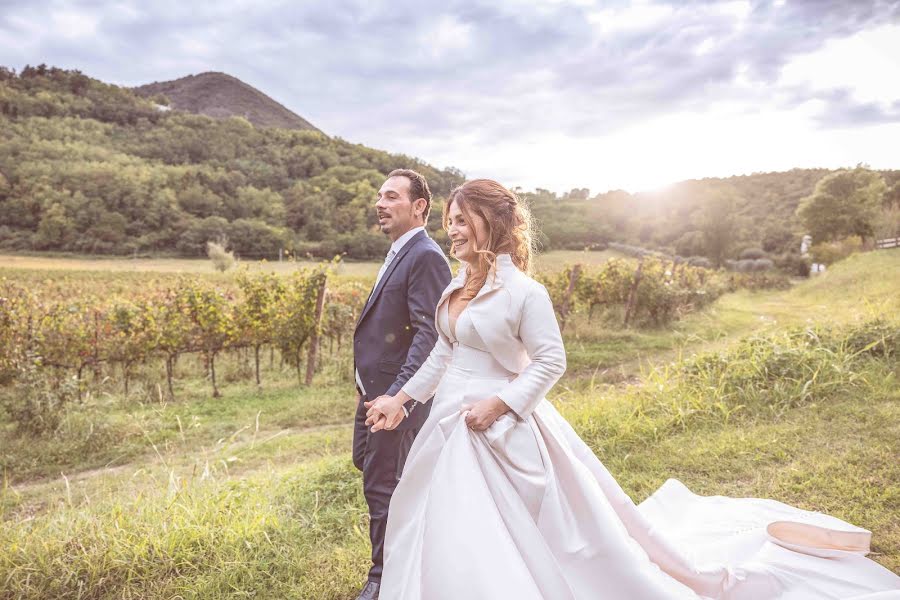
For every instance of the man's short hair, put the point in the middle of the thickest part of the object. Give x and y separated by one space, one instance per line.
418 187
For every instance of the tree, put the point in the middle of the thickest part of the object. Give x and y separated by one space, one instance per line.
891 196
779 238
843 204
717 225
55 230
692 243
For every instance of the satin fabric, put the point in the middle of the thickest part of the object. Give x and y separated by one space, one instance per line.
525 510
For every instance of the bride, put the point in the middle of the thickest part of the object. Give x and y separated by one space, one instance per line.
500 498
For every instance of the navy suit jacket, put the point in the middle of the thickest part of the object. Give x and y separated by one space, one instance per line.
396 332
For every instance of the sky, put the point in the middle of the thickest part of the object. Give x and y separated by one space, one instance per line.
553 94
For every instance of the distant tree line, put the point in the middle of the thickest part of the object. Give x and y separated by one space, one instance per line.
761 217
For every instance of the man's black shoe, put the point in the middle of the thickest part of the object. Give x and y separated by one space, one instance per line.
370 592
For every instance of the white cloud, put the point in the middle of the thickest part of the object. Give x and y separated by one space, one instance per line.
738 10
867 63
448 35
704 47
72 24
635 17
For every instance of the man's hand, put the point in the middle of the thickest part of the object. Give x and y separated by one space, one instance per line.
482 414
385 412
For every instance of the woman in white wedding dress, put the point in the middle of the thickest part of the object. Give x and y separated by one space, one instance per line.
500 498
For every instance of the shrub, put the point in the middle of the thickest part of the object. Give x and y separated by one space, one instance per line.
752 253
749 265
830 252
36 402
222 259
757 281
636 251
699 261
793 264
762 264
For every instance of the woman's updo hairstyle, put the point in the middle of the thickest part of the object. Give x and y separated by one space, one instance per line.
509 228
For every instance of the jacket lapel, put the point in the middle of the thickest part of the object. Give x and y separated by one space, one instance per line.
403 252
494 279
455 283
493 282
490 317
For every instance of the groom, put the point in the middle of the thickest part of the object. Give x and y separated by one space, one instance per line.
393 337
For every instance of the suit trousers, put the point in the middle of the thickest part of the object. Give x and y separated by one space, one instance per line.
380 456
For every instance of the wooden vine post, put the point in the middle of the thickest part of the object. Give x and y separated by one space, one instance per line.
567 298
632 294
317 327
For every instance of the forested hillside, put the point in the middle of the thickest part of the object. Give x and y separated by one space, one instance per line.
89 167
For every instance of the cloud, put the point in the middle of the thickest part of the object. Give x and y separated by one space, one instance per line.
438 79
838 109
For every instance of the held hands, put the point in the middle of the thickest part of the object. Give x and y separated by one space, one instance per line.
386 412
482 414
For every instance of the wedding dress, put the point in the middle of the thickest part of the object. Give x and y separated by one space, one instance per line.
525 510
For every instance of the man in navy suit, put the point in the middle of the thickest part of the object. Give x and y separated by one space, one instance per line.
393 337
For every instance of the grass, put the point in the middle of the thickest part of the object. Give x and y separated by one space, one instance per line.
118 267
107 431
254 495
557 259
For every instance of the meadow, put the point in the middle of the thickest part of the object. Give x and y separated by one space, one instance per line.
785 394
362 269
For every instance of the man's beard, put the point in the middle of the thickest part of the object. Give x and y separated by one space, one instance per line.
389 224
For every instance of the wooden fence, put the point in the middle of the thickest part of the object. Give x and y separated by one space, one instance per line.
887 243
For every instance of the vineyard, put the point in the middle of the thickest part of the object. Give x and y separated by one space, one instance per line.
60 338
652 292
55 334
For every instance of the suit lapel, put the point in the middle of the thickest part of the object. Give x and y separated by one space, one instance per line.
387 273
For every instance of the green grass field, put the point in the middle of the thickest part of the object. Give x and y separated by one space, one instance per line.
118 265
362 269
253 494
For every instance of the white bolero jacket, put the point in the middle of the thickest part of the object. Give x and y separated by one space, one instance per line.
514 316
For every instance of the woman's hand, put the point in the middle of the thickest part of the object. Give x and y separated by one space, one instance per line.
483 414
386 412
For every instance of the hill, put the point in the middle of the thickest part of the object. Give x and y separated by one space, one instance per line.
220 96
93 168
